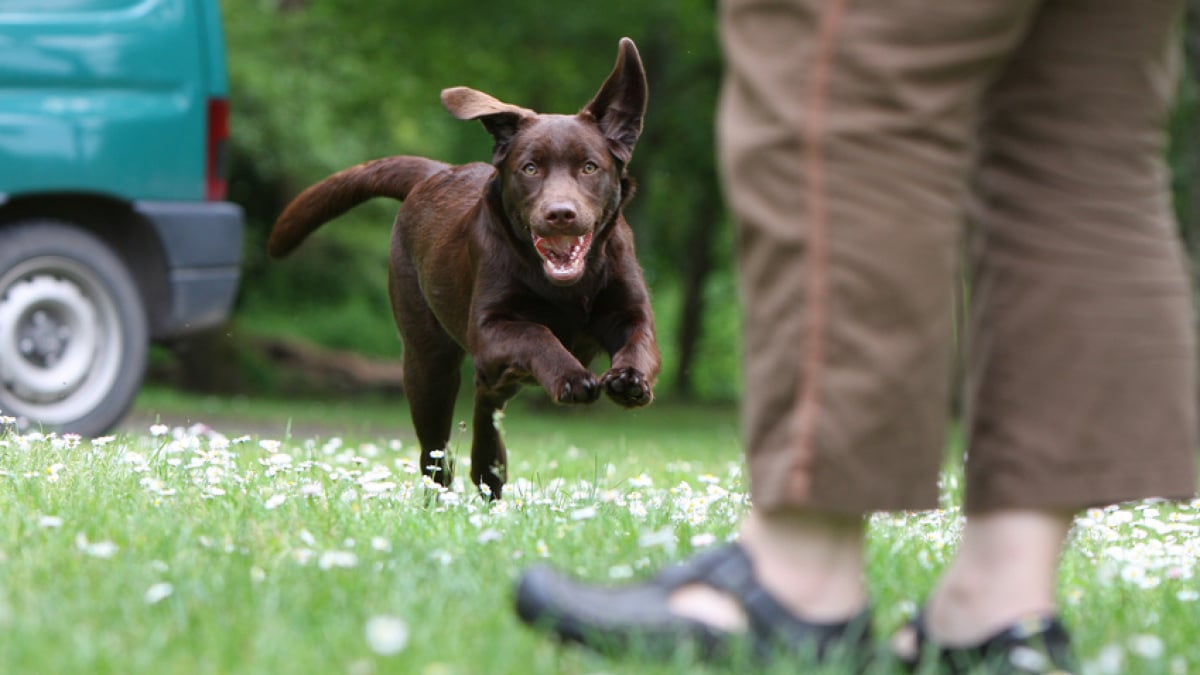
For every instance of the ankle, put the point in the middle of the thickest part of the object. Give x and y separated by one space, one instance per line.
1005 570
965 610
811 563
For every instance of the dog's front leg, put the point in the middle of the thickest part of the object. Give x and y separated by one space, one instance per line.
509 351
635 367
506 353
626 329
489 457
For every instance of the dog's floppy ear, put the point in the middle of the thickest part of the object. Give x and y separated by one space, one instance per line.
502 120
620 104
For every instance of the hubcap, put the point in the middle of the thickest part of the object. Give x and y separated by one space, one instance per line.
43 338
51 326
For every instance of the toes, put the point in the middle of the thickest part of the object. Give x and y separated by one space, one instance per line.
709 606
583 389
627 387
905 645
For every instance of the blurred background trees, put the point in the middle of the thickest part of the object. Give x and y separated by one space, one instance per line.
319 85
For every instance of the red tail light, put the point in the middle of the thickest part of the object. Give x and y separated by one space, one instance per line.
217 157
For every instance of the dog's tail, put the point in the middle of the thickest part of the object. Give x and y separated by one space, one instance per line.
388 177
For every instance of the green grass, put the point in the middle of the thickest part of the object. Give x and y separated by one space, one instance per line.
194 552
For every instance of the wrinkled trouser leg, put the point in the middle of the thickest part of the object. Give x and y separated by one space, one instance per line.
1082 378
846 134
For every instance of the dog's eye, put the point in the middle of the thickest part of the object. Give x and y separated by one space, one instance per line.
529 169
590 168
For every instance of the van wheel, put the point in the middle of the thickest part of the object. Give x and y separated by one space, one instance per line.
73 335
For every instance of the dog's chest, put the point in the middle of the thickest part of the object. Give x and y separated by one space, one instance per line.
570 322
566 322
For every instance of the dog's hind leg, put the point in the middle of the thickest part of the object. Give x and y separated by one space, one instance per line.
432 374
431 380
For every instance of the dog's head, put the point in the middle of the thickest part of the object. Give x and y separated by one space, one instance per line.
562 177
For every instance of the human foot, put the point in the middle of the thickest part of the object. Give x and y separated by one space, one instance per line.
812 564
642 616
998 591
1035 645
1005 569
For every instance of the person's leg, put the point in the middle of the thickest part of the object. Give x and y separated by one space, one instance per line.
844 137
1083 350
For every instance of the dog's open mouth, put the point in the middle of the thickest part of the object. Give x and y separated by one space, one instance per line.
563 257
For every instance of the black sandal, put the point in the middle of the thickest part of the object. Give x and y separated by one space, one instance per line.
1038 645
638 618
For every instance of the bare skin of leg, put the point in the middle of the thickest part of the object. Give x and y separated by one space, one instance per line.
1005 569
812 563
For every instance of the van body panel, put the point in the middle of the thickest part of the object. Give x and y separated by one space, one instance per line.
108 96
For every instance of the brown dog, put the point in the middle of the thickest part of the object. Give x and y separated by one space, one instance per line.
526 264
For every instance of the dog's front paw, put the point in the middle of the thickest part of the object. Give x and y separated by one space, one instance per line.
580 388
627 387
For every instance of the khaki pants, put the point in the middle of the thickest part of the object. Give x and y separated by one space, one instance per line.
857 139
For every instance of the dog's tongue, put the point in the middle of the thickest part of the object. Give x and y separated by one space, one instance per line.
563 257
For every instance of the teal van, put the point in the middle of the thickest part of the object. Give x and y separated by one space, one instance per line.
114 229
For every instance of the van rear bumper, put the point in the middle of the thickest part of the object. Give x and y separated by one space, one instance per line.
202 243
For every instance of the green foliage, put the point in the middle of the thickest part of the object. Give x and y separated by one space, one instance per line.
334 293
1185 162
718 358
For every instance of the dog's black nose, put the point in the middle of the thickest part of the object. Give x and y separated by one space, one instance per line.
560 214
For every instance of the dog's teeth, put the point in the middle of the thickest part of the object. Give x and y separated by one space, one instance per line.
563 255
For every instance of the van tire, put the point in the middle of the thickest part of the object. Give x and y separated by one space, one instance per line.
73 329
